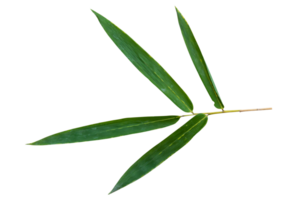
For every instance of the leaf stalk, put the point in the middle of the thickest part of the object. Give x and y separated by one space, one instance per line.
228 111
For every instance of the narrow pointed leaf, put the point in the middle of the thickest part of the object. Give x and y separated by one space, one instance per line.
162 151
108 129
146 65
199 61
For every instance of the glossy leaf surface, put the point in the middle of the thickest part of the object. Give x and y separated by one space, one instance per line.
162 151
109 129
146 65
199 61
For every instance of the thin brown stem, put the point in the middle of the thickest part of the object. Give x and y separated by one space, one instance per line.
230 111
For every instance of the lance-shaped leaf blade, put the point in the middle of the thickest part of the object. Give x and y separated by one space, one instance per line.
109 129
146 65
162 151
199 61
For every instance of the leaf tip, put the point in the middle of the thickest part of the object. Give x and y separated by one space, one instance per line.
109 193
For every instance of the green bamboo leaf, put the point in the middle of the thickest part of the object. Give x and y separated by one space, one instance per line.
108 129
146 65
162 151
199 61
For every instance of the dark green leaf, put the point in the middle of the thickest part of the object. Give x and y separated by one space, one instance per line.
161 152
145 63
109 129
198 60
